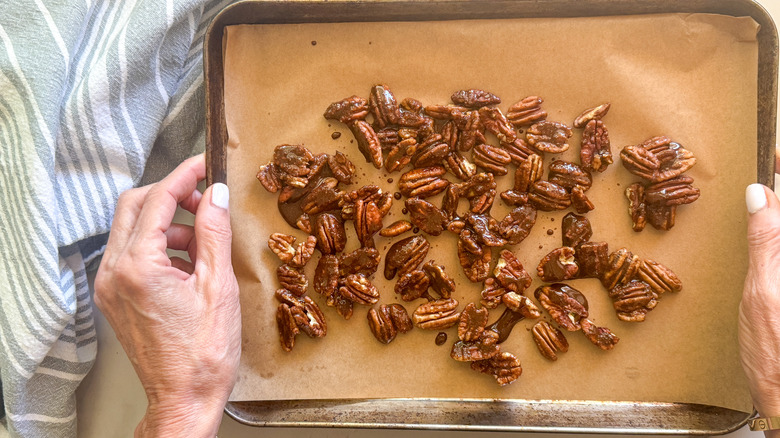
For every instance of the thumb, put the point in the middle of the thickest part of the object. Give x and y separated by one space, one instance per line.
212 231
764 221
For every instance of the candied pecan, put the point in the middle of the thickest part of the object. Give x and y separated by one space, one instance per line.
636 206
595 149
472 131
673 158
504 367
566 305
287 297
474 98
401 154
477 185
323 197
575 230
601 337
481 204
369 193
293 162
347 110
282 246
423 182
549 137
303 252
580 202
440 282
558 265
528 172
492 292
491 158
396 228
526 112
456 226
449 134
430 152
410 115
518 150
514 198
449 203
474 257
381 324
269 177
472 322
368 142
516 226
412 285
592 258
287 326
383 106
660 278
303 223
342 168
344 306
437 315
445 112
368 221
496 123
292 279
639 161
426 216
521 304
405 256
633 300
326 276
400 317
485 228
672 192
358 289
661 218
360 261
484 347
549 340
310 319
621 267
388 139
509 272
591 114
569 175
330 234
548 196
459 166
506 322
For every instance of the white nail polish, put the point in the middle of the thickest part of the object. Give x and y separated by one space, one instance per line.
220 195
755 198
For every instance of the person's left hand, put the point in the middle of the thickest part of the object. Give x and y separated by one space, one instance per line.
179 322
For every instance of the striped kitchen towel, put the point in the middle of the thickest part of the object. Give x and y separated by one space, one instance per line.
89 89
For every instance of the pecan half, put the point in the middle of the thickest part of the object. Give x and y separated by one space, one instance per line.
294 164
368 221
518 150
445 112
661 218
510 274
484 347
672 192
472 322
430 152
440 282
360 261
326 277
548 196
474 98
310 318
516 226
323 197
591 114
569 175
387 321
552 137
566 305
528 172
329 232
292 279
575 230
288 328
343 169
492 292
437 315
368 142
660 278
269 178
635 193
520 304
423 182
359 290
405 256
412 285
549 340
621 267
639 161
674 158
459 166
383 106
485 228
592 258
400 154
601 337
504 367
303 252
347 110
595 149
526 112
558 265
496 123
491 158
426 216
472 131
282 246
396 228
633 300
474 256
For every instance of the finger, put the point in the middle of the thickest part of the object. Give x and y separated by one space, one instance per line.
160 202
183 265
182 238
191 203
212 232
763 222
128 207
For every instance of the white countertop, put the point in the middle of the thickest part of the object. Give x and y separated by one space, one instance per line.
111 400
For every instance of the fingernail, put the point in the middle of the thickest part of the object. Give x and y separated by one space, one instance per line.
220 195
755 198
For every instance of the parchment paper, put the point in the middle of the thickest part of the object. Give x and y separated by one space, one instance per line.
691 77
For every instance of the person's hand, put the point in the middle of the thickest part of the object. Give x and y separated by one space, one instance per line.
179 322
759 312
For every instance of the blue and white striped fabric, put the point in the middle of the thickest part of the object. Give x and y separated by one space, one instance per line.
89 90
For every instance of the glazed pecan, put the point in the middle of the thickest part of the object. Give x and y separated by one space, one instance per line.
326 277
358 289
360 261
430 152
639 161
491 294
330 234
400 154
288 328
474 98
510 274
569 175
474 257
484 347
323 197
477 185
400 317
303 252
575 230
309 318
412 285
287 297
661 218
368 221
368 142
672 192
636 206
621 267
660 278
269 177
549 137
549 340
405 256
292 279
445 112
423 182
472 322
591 114
383 106
343 169
411 116
381 324
526 112
633 300
472 131
595 149
516 226
558 265
496 123
528 172
592 258
437 315
486 229
368 193
282 246
344 306
601 337
491 158
548 196
459 166
566 305
426 216
347 110
518 150
450 201
396 228
673 158
440 282
513 198
388 139
294 164
449 134
520 304
504 367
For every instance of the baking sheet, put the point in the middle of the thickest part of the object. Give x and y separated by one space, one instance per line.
691 77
